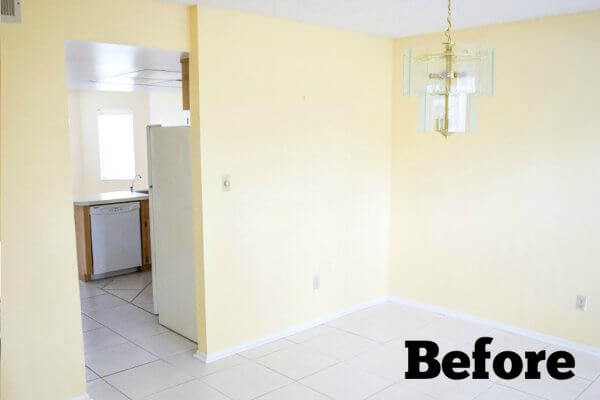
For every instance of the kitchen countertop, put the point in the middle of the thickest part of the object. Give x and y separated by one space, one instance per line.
109 198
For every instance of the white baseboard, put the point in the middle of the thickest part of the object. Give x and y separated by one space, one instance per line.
84 397
282 334
201 356
554 340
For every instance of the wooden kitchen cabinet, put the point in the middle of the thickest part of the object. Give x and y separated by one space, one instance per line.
83 237
185 83
145 225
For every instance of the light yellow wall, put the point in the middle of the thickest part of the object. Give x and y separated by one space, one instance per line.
195 154
300 117
42 352
504 224
83 107
165 108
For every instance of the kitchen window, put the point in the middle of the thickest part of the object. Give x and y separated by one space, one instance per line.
116 145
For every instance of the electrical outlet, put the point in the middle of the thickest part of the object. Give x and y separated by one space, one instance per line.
316 282
226 183
581 303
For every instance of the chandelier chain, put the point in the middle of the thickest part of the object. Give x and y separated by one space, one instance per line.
448 36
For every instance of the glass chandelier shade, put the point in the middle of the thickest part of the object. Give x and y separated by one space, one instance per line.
447 83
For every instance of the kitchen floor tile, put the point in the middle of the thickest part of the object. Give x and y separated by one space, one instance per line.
340 345
310 334
124 294
548 387
194 390
136 280
499 392
100 302
509 341
187 363
121 314
133 330
89 324
297 362
295 391
592 392
386 361
166 344
448 389
342 382
100 390
401 392
384 322
246 381
140 382
452 330
99 283
90 375
146 296
117 358
147 307
87 291
268 348
101 338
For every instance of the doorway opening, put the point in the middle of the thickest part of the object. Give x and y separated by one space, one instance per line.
128 123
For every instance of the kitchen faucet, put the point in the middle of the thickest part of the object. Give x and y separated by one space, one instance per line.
133 181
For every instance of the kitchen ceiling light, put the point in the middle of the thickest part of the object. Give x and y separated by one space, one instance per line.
447 83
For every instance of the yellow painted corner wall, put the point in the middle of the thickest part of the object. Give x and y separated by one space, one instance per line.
300 117
504 223
197 180
41 325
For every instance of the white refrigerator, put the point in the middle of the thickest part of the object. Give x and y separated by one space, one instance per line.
172 230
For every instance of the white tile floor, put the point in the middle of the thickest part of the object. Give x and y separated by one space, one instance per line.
360 356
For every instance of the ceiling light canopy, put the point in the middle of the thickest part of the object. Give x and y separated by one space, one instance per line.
447 82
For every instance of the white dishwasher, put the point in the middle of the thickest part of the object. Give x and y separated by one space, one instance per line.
116 237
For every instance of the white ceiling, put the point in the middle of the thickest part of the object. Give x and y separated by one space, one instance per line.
395 18
115 67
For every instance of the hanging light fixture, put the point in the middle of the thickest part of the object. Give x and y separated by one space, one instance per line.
448 82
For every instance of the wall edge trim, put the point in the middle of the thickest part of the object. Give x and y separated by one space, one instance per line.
553 340
212 357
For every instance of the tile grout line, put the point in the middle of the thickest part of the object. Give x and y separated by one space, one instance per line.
389 386
128 369
96 295
118 391
185 383
587 388
517 390
201 378
290 384
314 390
140 292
